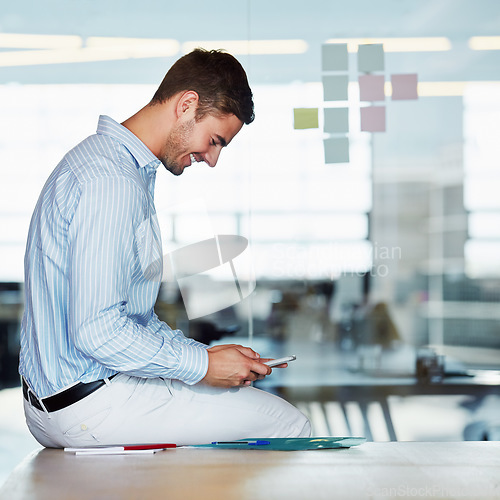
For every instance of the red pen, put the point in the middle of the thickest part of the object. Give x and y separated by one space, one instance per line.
148 446
110 450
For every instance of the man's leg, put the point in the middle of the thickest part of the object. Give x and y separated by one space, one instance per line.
132 410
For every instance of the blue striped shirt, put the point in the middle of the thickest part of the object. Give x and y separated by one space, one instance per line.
93 269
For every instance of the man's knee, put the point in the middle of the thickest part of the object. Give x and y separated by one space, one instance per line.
303 426
306 429
298 425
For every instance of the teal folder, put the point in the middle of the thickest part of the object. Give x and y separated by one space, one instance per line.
287 444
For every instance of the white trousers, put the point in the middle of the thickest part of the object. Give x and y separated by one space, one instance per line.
131 410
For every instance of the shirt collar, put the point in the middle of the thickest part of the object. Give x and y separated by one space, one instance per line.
141 153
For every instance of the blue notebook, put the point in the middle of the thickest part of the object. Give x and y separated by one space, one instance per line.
287 444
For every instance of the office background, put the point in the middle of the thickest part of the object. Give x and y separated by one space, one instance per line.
396 247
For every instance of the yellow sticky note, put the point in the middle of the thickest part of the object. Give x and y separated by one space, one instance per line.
305 118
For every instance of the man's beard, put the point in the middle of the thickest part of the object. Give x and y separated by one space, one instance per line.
176 145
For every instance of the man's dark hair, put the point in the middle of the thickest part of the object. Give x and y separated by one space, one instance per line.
217 77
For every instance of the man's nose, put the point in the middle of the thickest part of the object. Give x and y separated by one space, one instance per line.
212 157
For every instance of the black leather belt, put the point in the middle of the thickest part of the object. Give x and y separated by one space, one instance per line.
65 398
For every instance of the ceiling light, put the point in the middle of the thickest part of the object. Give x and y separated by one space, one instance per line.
422 44
97 49
23 41
484 43
449 89
251 47
441 89
137 47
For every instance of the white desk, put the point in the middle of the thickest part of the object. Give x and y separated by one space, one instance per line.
466 470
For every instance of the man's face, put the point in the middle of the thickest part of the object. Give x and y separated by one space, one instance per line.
202 140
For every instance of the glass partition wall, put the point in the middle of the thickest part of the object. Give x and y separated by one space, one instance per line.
355 221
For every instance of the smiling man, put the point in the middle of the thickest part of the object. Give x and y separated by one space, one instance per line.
98 367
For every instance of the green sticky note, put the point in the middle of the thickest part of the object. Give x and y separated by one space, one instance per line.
371 57
336 150
336 120
305 118
335 87
334 57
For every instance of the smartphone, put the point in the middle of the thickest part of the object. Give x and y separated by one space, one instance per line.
280 361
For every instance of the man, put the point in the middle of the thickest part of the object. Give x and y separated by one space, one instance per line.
98 367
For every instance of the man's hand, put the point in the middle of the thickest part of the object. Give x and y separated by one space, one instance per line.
233 365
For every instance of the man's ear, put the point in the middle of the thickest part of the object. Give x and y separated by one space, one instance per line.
187 103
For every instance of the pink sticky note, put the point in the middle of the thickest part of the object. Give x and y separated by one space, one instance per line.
371 87
404 87
373 119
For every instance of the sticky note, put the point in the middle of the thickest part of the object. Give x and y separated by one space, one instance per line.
404 86
305 118
373 119
371 57
336 120
335 87
371 87
336 150
334 57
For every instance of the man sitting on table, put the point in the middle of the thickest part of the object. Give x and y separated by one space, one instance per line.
98 367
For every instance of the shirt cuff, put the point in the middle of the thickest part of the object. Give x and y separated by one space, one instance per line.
193 365
199 344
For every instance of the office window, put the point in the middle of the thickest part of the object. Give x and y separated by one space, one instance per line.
271 185
482 179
